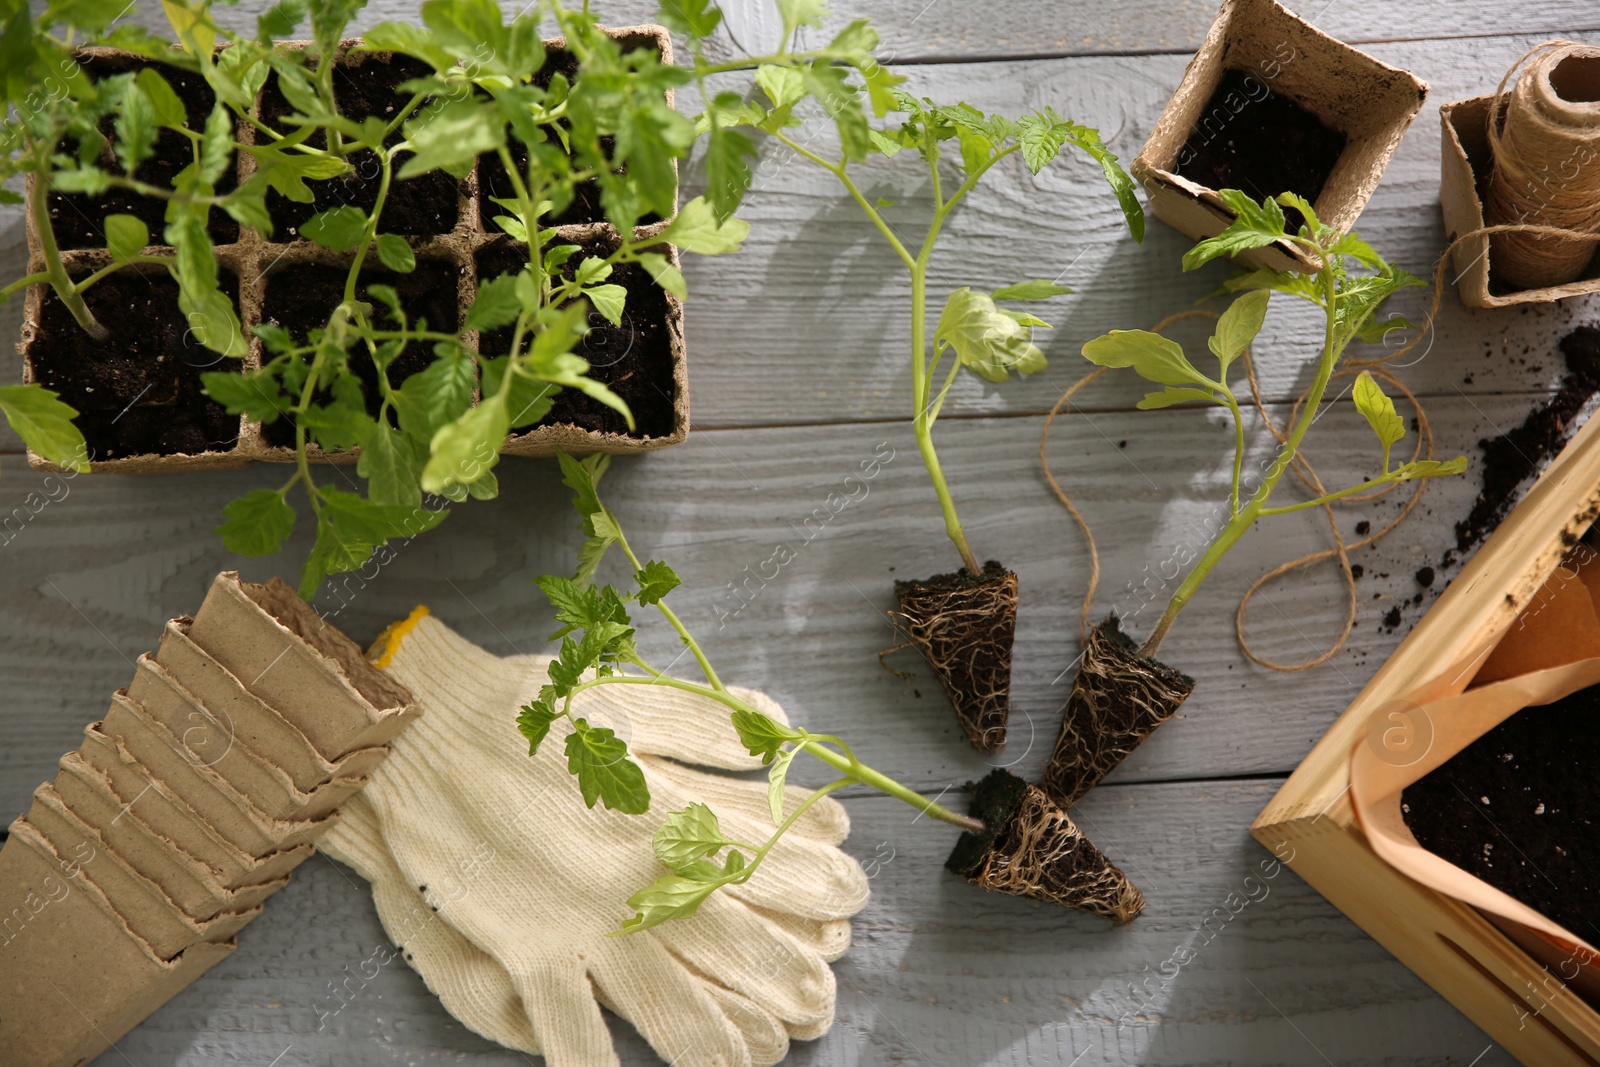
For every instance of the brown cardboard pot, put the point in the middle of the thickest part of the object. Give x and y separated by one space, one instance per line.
254 261
73 977
1371 103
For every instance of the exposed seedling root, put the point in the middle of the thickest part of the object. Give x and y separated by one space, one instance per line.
1032 848
964 626
1118 700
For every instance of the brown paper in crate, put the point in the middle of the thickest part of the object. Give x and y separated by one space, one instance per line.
1551 651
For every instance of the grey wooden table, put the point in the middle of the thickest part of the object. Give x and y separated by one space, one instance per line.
797 349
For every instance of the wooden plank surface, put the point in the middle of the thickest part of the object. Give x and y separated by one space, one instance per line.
939 972
797 370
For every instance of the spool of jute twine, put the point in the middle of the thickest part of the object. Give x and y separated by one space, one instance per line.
1545 141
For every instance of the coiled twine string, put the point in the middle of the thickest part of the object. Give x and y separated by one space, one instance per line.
1545 140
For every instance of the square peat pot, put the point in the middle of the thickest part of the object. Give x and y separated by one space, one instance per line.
140 398
1509 982
1464 162
1269 105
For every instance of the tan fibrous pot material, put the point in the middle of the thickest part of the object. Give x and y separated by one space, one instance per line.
1545 143
164 834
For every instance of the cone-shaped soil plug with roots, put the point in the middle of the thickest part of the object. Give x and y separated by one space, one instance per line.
963 625
1032 848
1118 699
1122 693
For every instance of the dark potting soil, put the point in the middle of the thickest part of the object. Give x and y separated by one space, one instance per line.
427 204
139 392
1517 455
633 359
300 299
994 802
956 580
1262 142
1518 809
78 220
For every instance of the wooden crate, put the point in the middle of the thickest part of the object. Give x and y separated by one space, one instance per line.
1309 823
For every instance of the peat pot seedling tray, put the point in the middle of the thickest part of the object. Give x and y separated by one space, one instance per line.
1524 999
139 397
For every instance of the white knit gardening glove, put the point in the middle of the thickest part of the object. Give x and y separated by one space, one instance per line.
522 874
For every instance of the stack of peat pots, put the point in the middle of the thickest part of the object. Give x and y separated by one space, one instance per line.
185 808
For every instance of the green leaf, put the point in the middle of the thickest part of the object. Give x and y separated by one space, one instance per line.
210 312
656 580
687 836
461 451
216 145
1358 250
672 896
1121 182
609 301
193 26
497 303
126 236
797 13
696 229
534 723
435 397
44 423
695 18
1378 410
991 341
1302 205
775 782
783 85
530 398
762 735
1039 289
1430 468
583 476
165 107
827 84
395 253
665 274
258 523
254 393
600 760
350 527
727 170
136 128
338 228
391 463
1255 226
1173 395
1237 328
1153 357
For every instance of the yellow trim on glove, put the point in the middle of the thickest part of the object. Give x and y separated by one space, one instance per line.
388 643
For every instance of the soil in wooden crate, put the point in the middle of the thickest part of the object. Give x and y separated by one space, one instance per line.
633 359
300 299
139 391
79 220
1518 809
1516 456
964 625
1251 138
426 204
